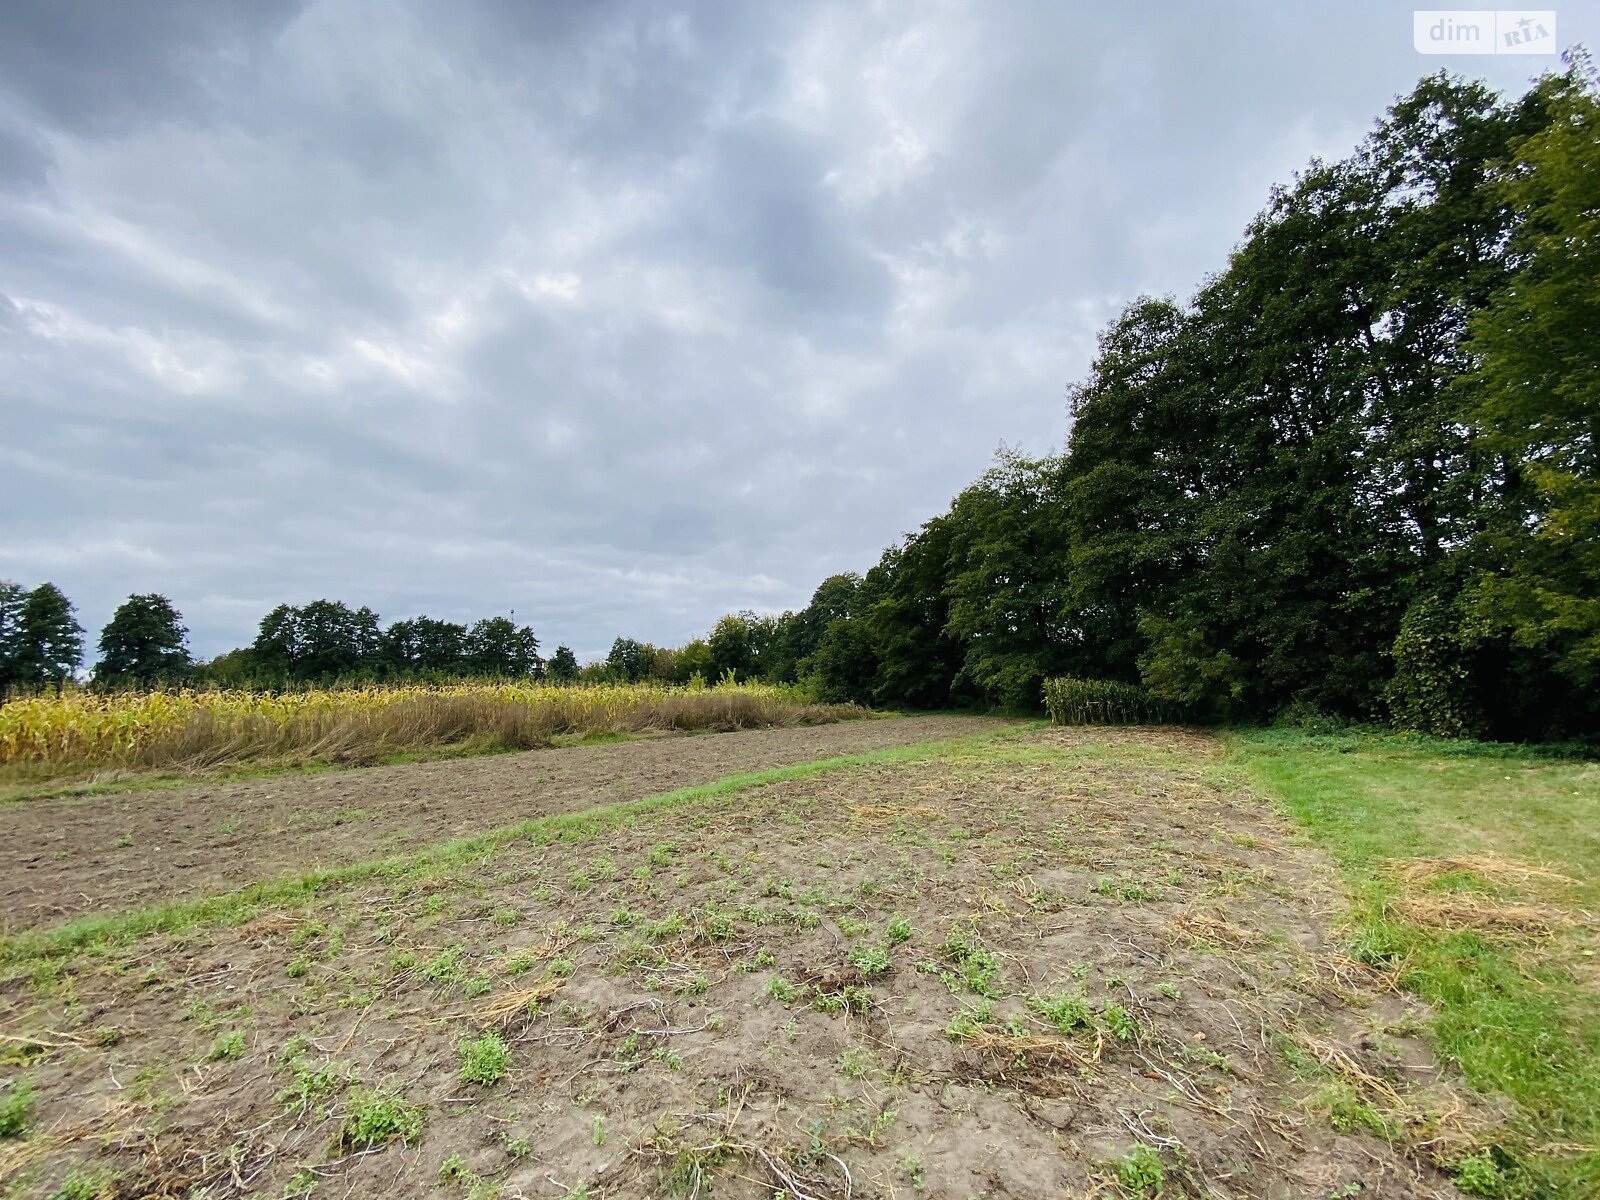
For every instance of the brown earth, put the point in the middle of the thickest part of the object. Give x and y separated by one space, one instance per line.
1116 965
107 853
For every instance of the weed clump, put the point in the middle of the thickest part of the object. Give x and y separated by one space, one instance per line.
16 1106
1141 1172
377 1116
977 966
485 1059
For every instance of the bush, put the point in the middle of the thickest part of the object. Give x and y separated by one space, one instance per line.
1101 702
1431 688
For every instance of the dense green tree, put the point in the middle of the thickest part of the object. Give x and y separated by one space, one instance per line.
693 659
49 638
734 646
231 669
1006 579
563 665
318 642
12 598
1356 471
143 643
1535 401
276 649
422 645
499 647
629 660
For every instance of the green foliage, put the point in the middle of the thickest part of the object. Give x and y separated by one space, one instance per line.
1388 393
16 1106
870 960
227 1046
563 665
1100 702
1141 1172
83 1183
1479 1175
143 643
1069 1012
376 1116
484 1059
1431 688
40 641
1535 397
977 966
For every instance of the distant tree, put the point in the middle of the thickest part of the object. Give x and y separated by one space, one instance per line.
734 645
232 669
277 649
423 644
563 665
336 640
51 640
498 646
663 665
629 660
143 643
319 642
12 599
692 658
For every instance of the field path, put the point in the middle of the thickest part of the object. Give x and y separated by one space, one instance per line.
104 854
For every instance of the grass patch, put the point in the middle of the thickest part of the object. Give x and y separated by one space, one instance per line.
1431 836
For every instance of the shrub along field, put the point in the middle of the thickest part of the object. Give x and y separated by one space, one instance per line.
77 733
1031 962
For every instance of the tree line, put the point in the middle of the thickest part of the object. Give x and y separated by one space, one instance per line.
1354 473
145 644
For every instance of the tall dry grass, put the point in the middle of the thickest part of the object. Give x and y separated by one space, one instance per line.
82 732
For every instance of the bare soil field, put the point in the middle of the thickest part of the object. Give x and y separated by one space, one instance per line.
1052 964
104 853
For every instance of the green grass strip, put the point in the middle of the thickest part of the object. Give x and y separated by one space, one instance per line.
1515 1019
232 907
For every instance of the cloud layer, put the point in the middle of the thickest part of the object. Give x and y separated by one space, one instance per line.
619 315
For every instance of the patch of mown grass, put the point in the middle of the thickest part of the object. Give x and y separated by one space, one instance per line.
1515 1014
100 932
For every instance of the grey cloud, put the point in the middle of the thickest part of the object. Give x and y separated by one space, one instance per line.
622 315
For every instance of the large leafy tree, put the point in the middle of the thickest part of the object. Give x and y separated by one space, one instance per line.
143 643
499 647
629 660
1007 578
1535 399
12 598
424 645
563 665
50 640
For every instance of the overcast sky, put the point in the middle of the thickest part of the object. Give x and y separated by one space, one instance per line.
619 315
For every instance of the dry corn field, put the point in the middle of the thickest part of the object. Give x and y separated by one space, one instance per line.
82 732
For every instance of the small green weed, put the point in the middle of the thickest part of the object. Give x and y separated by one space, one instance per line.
484 1059
1141 1172
16 1107
377 1116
